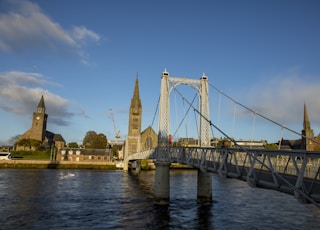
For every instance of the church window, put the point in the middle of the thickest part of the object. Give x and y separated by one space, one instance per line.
148 143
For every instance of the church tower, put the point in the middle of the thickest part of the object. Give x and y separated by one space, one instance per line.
135 118
39 124
307 132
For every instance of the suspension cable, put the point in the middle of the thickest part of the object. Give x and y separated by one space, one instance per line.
155 112
176 109
253 126
207 120
234 118
185 115
250 154
197 127
260 115
185 123
219 106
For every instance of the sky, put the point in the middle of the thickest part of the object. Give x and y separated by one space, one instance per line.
84 57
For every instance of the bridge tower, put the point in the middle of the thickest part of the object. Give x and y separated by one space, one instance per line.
162 176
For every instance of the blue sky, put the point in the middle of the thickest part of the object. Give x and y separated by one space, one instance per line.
84 56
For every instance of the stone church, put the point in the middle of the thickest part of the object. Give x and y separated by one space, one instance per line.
138 140
308 141
38 133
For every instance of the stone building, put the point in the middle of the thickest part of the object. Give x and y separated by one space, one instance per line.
136 140
84 155
38 132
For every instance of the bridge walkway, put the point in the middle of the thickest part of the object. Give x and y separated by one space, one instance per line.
293 172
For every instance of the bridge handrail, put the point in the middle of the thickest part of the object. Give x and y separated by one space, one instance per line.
252 160
146 154
176 150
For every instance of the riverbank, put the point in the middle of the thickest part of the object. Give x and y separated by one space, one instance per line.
46 164
43 164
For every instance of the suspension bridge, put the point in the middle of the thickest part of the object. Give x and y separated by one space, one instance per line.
291 171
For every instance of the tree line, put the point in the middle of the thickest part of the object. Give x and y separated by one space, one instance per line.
92 140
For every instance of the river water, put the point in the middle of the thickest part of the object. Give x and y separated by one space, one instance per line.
107 199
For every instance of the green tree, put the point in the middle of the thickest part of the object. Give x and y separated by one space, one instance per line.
13 140
73 145
29 143
92 140
271 146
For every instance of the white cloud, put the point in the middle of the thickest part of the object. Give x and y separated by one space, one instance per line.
282 97
81 33
24 27
20 93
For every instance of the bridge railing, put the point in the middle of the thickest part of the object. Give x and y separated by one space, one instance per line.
215 159
296 172
146 154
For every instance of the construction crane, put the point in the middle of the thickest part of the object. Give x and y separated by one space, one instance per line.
117 133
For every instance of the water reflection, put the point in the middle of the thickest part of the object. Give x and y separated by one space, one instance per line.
94 199
161 217
205 216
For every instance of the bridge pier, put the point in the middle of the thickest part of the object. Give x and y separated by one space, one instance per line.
162 183
125 165
138 165
204 193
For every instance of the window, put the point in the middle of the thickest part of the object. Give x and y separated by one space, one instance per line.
148 143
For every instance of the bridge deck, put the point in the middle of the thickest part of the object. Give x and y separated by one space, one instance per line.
294 172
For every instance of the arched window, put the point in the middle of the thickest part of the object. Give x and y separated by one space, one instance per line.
148 143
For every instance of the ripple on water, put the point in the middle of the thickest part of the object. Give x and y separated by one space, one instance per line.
94 199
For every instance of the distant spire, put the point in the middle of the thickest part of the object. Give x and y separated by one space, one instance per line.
41 106
306 121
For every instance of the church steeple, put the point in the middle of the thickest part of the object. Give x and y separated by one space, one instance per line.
135 101
41 106
306 121
307 132
135 118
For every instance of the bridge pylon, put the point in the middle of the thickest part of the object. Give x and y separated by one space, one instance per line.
163 161
204 182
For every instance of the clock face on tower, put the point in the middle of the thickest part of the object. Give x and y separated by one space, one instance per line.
38 118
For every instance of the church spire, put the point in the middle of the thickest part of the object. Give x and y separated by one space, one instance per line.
306 121
307 132
135 101
41 106
135 118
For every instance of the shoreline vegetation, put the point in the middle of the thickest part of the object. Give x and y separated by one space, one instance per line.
47 164
41 160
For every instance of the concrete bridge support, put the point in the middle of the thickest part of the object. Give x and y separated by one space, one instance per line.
162 183
204 193
137 165
125 165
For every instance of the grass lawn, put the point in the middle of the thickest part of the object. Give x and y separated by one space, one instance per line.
32 155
